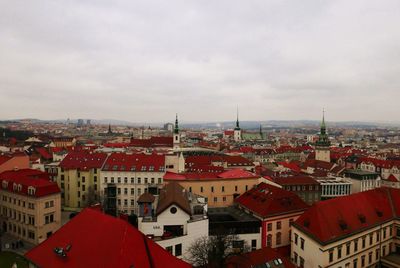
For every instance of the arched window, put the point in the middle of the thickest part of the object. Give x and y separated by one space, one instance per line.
31 190
269 240
278 238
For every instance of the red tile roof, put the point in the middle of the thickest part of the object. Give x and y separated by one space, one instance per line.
266 200
93 245
10 180
152 142
330 220
83 160
257 258
392 178
226 175
231 160
44 153
291 166
135 162
295 180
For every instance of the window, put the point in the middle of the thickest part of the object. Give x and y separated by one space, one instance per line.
269 227
173 210
105 179
369 258
278 225
363 242
83 179
215 199
383 250
31 234
132 191
112 179
125 191
347 248
253 244
362 261
119 180
212 189
223 189
146 180
295 258
169 249
83 188
355 263
95 178
125 202
139 180
339 252
178 250
269 240
190 189
301 243
236 188
132 180
201 189
119 190
377 254
370 239
159 180
301 262
278 238
224 199
355 245
246 187
125 180
331 256
296 238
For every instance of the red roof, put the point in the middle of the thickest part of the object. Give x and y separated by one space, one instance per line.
93 245
83 160
328 221
4 158
153 142
25 178
230 174
257 258
231 160
392 178
291 166
266 200
295 180
44 153
135 162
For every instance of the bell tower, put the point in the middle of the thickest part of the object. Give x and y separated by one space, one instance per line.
177 137
237 132
322 150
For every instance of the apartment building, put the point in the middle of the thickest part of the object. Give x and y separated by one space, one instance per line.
132 175
220 188
78 176
30 205
276 208
359 230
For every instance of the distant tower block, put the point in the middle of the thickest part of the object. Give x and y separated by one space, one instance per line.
177 137
322 150
237 132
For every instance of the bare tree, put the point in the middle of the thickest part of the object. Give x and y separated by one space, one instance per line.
212 251
91 196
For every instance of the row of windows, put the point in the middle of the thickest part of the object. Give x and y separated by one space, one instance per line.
18 216
301 187
132 191
132 180
12 228
365 260
178 249
212 189
278 238
133 168
18 201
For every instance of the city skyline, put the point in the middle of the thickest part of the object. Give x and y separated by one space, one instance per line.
143 62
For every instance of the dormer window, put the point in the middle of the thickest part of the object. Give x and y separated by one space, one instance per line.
19 187
14 186
151 168
31 190
133 168
4 184
143 168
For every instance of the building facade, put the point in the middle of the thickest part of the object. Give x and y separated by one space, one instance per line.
30 205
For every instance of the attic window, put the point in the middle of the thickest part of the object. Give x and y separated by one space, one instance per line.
31 190
362 218
14 186
106 167
19 187
133 168
4 184
343 225
122 167
115 167
143 168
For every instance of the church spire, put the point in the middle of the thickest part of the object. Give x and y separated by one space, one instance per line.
109 129
237 119
323 139
176 130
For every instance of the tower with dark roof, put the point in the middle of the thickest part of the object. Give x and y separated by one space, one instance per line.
237 132
322 150
177 137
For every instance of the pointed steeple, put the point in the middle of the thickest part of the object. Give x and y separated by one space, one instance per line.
176 130
323 139
261 134
109 129
237 120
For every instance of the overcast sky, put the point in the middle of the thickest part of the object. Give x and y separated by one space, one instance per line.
144 61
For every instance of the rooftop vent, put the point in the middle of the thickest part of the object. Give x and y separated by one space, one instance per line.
362 218
343 225
379 213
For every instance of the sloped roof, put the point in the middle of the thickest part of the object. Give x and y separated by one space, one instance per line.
237 174
135 162
83 160
146 198
295 180
94 245
173 194
327 221
257 258
266 200
28 178
226 175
